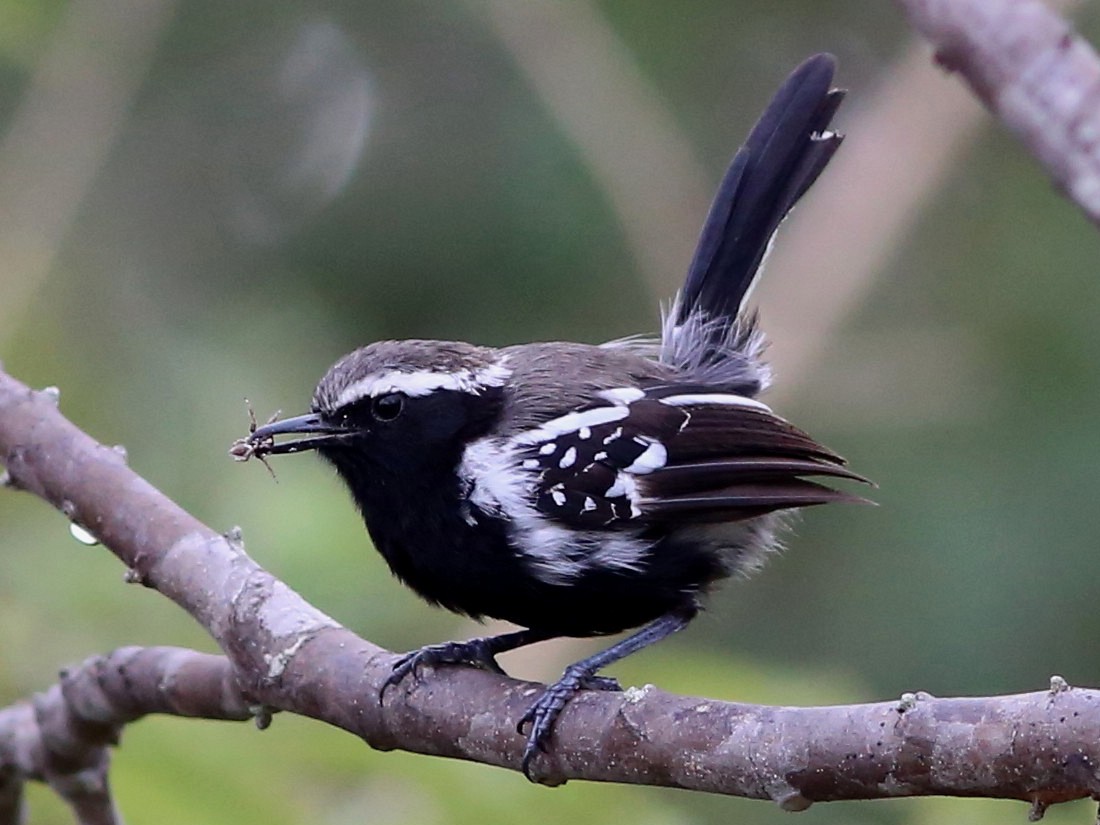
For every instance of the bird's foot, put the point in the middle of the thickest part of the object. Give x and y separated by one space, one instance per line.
607 683
475 652
538 722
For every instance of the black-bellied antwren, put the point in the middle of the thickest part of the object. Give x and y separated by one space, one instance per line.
580 490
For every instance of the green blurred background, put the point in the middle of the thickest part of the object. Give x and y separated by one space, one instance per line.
203 201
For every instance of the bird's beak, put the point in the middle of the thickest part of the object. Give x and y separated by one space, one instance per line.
320 433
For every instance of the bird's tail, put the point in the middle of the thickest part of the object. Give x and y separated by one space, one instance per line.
704 331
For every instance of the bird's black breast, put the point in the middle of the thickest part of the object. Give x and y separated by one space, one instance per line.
469 564
404 477
431 547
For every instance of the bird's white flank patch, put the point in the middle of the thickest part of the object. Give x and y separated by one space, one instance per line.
555 553
422 382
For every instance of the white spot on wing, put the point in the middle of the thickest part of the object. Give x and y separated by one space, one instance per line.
721 398
652 458
621 395
570 423
625 486
568 459
620 486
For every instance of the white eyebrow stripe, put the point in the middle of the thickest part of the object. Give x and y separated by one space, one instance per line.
726 398
422 382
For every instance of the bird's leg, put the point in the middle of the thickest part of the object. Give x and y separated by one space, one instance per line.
480 652
538 721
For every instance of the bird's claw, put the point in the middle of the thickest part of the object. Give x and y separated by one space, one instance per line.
475 652
538 722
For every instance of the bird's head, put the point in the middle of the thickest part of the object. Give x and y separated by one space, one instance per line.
392 407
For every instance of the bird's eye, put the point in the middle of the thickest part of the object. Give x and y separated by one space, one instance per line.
387 407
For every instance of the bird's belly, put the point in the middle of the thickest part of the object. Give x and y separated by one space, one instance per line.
480 573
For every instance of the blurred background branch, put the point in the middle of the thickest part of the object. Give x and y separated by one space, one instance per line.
77 102
1041 79
626 136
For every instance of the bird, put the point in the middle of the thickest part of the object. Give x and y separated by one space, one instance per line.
579 490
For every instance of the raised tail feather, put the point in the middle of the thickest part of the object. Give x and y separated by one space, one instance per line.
785 152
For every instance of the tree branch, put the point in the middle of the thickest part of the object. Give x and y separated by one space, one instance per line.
61 737
1031 69
283 653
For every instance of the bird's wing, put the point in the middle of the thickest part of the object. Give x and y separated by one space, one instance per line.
674 453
